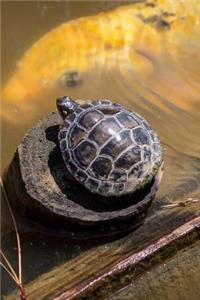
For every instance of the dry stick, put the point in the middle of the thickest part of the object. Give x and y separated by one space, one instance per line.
19 280
16 231
11 275
9 265
181 203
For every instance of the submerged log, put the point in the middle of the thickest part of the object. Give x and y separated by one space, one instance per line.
40 188
102 271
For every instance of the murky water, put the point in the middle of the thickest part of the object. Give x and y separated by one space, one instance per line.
163 87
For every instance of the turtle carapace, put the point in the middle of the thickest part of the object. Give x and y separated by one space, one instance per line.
109 149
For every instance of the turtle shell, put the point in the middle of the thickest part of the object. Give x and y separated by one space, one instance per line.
109 149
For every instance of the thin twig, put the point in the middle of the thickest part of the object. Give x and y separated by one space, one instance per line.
9 269
172 205
181 203
11 275
16 231
9 265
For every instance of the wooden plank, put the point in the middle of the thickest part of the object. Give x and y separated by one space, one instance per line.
131 266
176 278
99 270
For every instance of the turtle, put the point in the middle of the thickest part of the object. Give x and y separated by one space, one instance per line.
107 148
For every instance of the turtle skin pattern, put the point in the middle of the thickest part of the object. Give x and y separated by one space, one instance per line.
108 149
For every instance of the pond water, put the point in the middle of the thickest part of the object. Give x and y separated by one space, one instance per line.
158 77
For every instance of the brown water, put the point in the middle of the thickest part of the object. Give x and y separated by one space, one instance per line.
168 98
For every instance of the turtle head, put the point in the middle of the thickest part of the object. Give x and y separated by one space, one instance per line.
65 106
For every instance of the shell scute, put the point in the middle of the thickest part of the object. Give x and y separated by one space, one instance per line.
96 102
105 129
146 125
118 175
77 135
101 167
63 145
66 155
136 171
141 137
127 120
90 118
65 125
85 153
72 166
129 158
147 155
72 117
62 134
92 184
86 105
105 187
81 176
106 102
117 144
118 187
78 110
108 110
157 147
116 105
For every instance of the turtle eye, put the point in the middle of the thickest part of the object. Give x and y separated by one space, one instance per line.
68 106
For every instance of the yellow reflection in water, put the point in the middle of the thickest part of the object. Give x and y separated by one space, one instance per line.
157 40
143 55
